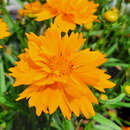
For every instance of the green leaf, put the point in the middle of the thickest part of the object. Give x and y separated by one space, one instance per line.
123 65
56 122
10 58
21 3
14 27
111 60
106 122
95 33
2 100
9 125
7 18
100 127
68 125
115 100
121 104
2 78
112 49
89 125
6 102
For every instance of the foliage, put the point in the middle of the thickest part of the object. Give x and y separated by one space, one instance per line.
110 38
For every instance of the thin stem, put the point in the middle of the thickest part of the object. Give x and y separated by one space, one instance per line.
87 39
49 119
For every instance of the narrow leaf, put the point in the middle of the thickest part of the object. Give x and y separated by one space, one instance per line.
68 125
2 78
106 122
115 100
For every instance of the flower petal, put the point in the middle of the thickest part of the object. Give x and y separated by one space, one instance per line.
63 23
45 13
72 43
64 106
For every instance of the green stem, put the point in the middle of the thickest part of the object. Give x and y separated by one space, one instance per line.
78 125
15 26
87 39
49 119
119 3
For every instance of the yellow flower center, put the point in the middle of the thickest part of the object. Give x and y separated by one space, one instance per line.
59 65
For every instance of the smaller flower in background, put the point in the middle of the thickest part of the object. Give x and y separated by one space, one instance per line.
58 74
21 12
4 31
111 15
68 13
30 9
127 89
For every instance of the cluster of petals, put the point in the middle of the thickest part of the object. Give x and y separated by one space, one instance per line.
68 13
4 31
59 74
30 9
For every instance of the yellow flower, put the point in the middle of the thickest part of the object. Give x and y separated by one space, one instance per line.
68 12
58 74
31 9
4 31
1 46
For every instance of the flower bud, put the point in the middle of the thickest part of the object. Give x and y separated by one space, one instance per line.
103 97
127 89
88 26
111 15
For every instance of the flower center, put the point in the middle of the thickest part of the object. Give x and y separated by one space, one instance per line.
59 65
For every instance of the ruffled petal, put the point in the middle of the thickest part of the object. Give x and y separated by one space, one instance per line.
72 43
25 71
64 23
45 13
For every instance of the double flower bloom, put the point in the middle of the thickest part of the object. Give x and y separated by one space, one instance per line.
56 72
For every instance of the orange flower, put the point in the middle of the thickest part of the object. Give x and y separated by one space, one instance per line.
58 75
125 128
3 29
31 9
1 46
68 13
21 12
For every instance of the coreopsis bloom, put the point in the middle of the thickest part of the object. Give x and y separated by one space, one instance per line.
4 31
1 46
68 12
31 9
59 75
